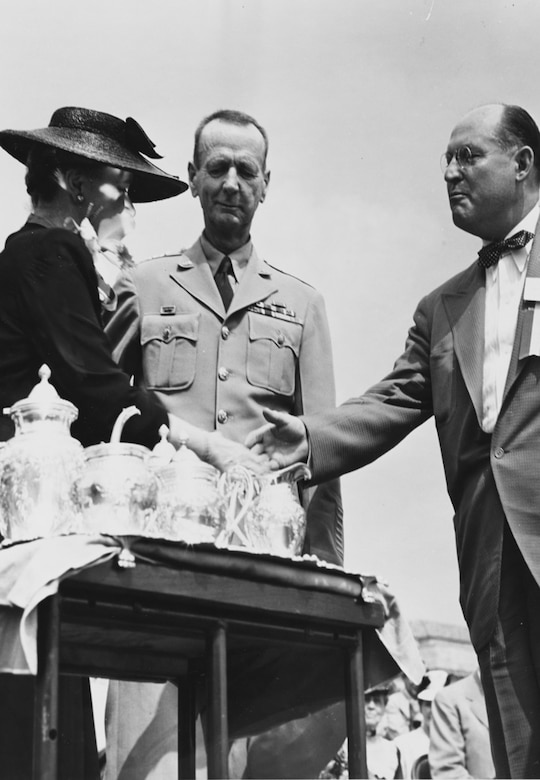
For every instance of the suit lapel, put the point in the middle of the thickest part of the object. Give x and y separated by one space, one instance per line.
478 709
476 698
524 321
465 309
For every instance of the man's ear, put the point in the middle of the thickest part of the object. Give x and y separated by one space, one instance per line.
266 183
524 162
192 173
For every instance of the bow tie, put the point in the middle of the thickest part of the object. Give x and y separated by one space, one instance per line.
490 254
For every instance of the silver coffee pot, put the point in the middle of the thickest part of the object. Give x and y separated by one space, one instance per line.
40 466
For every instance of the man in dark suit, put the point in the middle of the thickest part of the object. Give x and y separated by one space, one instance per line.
472 361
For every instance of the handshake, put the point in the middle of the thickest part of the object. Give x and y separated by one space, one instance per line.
281 442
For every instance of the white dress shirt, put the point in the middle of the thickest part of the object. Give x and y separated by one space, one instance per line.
504 289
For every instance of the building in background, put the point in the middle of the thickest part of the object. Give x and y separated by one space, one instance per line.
445 646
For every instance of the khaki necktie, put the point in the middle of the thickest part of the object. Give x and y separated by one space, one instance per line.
223 281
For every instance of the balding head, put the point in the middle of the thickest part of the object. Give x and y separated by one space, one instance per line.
492 178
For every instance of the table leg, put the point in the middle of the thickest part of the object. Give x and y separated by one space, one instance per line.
354 701
187 714
218 736
45 757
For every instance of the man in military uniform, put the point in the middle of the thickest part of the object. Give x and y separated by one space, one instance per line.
218 333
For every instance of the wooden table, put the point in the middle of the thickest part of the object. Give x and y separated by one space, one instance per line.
179 618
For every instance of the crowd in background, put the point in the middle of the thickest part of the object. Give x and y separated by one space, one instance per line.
436 729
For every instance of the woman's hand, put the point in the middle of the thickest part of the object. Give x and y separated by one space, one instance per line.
215 448
224 453
283 440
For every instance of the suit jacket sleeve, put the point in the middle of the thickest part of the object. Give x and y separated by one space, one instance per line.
364 428
447 751
316 392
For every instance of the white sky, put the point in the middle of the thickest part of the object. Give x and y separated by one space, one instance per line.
359 98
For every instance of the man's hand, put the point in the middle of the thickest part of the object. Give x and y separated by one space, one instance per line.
283 440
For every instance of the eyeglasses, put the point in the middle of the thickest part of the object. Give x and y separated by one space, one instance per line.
465 157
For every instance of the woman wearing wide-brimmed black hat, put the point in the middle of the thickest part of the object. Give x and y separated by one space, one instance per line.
56 275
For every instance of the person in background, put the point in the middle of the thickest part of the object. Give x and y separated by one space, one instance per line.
472 360
414 745
401 713
84 171
218 333
383 757
459 732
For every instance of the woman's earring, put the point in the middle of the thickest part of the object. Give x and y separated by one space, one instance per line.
80 197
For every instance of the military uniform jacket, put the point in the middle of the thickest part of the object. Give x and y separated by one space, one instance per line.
217 369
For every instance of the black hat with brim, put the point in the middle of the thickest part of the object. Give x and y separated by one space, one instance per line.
106 139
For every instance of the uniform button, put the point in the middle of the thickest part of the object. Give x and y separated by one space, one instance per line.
225 332
222 416
166 334
223 374
280 340
498 452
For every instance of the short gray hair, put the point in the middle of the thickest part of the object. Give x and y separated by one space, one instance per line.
233 117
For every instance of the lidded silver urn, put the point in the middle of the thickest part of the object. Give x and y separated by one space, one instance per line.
40 466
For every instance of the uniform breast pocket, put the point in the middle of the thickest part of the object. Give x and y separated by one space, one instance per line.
273 349
169 346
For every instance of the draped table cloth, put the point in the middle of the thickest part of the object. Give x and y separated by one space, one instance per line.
267 686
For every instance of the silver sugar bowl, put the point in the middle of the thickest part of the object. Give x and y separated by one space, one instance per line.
119 492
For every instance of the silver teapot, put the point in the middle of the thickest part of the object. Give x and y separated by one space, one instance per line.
190 506
40 466
118 490
264 513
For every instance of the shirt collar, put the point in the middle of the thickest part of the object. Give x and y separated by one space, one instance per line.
528 222
239 257
519 256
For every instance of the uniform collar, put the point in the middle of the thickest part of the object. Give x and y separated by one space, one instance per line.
240 257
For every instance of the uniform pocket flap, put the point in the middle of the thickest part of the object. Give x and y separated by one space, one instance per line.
166 329
280 332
